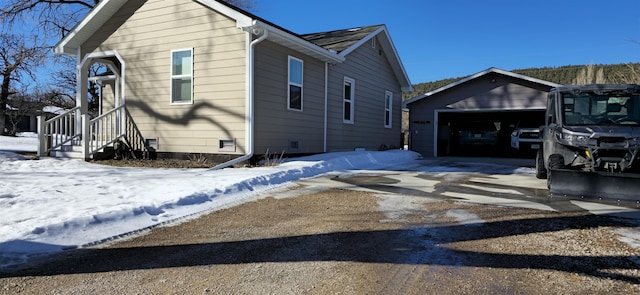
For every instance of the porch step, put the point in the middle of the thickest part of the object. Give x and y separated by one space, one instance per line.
75 152
67 151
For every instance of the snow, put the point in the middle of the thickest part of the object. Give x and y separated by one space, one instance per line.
464 217
23 142
50 204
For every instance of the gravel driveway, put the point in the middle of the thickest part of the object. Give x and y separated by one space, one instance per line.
320 240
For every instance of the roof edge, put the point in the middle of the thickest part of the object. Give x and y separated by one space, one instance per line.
62 46
327 55
477 75
389 48
242 19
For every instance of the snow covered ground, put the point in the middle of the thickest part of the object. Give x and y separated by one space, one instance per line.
51 204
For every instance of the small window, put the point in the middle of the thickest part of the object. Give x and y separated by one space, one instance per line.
182 76
348 99
296 68
551 110
388 106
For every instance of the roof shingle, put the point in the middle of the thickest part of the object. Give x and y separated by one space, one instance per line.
340 40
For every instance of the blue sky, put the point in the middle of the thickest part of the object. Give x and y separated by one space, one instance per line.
454 38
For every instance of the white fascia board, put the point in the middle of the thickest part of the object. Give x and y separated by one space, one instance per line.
277 35
87 26
294 42
364 40
391 53
398 67
523 77
477 75
242 20
445 87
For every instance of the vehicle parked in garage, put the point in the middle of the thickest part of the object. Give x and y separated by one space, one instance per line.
526 138
479 133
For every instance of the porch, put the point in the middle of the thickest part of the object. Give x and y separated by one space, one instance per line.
77 135
80 134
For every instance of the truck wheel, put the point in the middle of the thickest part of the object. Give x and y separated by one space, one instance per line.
556 161
541 171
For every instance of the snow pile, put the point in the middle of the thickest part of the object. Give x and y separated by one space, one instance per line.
51 204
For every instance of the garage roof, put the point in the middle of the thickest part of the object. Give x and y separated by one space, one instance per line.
475 76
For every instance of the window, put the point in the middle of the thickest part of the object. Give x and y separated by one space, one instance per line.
294 101
182 76
348 99
388 105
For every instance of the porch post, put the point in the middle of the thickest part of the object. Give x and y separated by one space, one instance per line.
42 138
86 136
83 103
117 104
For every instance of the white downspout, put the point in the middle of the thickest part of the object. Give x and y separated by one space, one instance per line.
250 92
326 103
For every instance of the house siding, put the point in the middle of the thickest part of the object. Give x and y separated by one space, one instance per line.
492 92
373 76
144 33
276 125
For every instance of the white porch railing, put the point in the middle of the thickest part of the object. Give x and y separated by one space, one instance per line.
103 130
93 135
58 131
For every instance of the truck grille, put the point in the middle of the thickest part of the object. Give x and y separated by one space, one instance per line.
612 142
612 139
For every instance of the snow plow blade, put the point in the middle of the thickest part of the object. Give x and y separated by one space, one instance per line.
605 186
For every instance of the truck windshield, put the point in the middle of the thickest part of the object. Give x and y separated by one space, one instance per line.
597 109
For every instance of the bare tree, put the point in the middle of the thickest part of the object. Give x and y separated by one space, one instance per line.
20 106
16 62
51 16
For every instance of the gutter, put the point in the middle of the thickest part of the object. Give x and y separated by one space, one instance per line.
326 103
250 92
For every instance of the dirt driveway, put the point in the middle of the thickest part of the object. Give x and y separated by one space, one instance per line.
359 236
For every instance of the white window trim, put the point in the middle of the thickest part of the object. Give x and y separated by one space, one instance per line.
190 75
352 101
289 83
388 95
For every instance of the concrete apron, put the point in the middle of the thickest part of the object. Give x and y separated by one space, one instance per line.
521 190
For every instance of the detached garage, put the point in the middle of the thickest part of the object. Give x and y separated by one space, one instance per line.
476 115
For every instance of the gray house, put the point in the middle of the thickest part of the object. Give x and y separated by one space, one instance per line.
476 115
202 76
